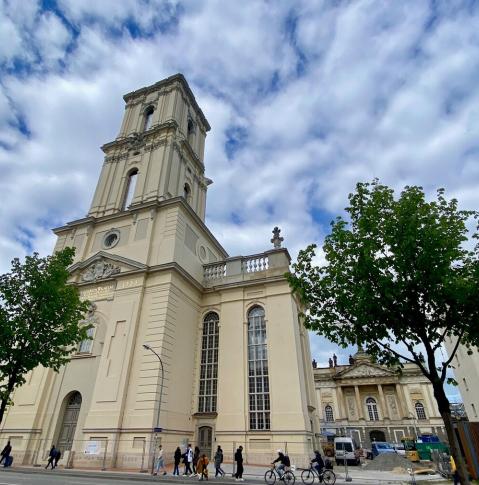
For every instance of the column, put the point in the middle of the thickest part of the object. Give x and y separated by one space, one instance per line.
400 400
340 396
383 402
359 404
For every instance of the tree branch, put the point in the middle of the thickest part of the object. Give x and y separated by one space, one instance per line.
451 356
397 354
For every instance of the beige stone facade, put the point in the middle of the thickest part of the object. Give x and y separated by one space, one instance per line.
466 372
371 402
236 358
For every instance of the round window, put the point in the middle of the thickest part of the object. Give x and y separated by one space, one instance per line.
111 239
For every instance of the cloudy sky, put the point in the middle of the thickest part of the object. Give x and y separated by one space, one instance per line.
304 98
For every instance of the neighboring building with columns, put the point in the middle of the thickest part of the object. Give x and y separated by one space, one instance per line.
236 356
370 402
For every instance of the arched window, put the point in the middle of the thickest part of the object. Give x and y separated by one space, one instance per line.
148 120
209 364
372 409
259 406
420 411
328 414
130 188
187 193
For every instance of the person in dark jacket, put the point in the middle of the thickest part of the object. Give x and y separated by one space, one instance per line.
239 464
51 457
177 458
57 457
284 463
196 457
318 459
6 452
218 462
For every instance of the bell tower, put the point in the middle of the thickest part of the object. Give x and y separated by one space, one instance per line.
158 154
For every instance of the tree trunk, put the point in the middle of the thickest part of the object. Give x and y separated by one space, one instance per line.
6 397
3 406
445 410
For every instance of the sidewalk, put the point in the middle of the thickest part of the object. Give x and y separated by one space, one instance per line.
254 474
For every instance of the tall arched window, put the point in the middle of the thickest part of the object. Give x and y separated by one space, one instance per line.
372 409
328 414
420 411
86 345
148 118
259 406
130 188
209 364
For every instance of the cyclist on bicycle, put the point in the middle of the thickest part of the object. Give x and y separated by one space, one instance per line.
318 459
283 463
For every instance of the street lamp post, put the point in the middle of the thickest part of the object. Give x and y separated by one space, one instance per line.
414 423
147 347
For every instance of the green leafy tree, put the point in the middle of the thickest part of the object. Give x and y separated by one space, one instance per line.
40 319
399 279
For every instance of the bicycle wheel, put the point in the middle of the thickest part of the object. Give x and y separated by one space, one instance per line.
329 478
307 476
289 478
270 477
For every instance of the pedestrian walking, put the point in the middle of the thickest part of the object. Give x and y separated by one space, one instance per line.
196 457
218 461
160 463
202 467
51 457
188 460
5 454
58 455
177 458
239 464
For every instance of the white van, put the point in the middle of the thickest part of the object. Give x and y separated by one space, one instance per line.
346 449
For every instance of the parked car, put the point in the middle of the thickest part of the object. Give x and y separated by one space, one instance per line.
380 447
346 449
400 450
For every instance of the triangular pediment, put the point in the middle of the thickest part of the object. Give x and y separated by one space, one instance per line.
364 369
103 265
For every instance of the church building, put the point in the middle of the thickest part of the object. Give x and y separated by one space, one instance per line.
189 344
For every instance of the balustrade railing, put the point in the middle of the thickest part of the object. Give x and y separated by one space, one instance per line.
252 264
214 271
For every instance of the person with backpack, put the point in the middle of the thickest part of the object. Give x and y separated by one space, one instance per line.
58 455
284 463
218 462
239 464
177 458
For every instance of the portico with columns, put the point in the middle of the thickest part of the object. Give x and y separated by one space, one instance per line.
370 402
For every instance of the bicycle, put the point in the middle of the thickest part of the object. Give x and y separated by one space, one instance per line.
328 477
272 474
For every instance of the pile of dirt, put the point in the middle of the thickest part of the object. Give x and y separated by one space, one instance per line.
392 462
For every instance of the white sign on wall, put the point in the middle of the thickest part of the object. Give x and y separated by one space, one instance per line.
92 448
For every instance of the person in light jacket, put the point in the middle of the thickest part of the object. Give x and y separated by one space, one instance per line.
160 464
188 460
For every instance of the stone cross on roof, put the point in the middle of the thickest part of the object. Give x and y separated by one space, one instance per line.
277 239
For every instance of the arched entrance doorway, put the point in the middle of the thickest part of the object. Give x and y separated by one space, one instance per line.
69 423
377 435
205 440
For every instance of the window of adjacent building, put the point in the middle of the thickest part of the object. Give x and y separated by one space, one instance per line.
130 188
148 118
191 130
259 405
209 364
465 383
328 413
87 344
372 409
420 411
